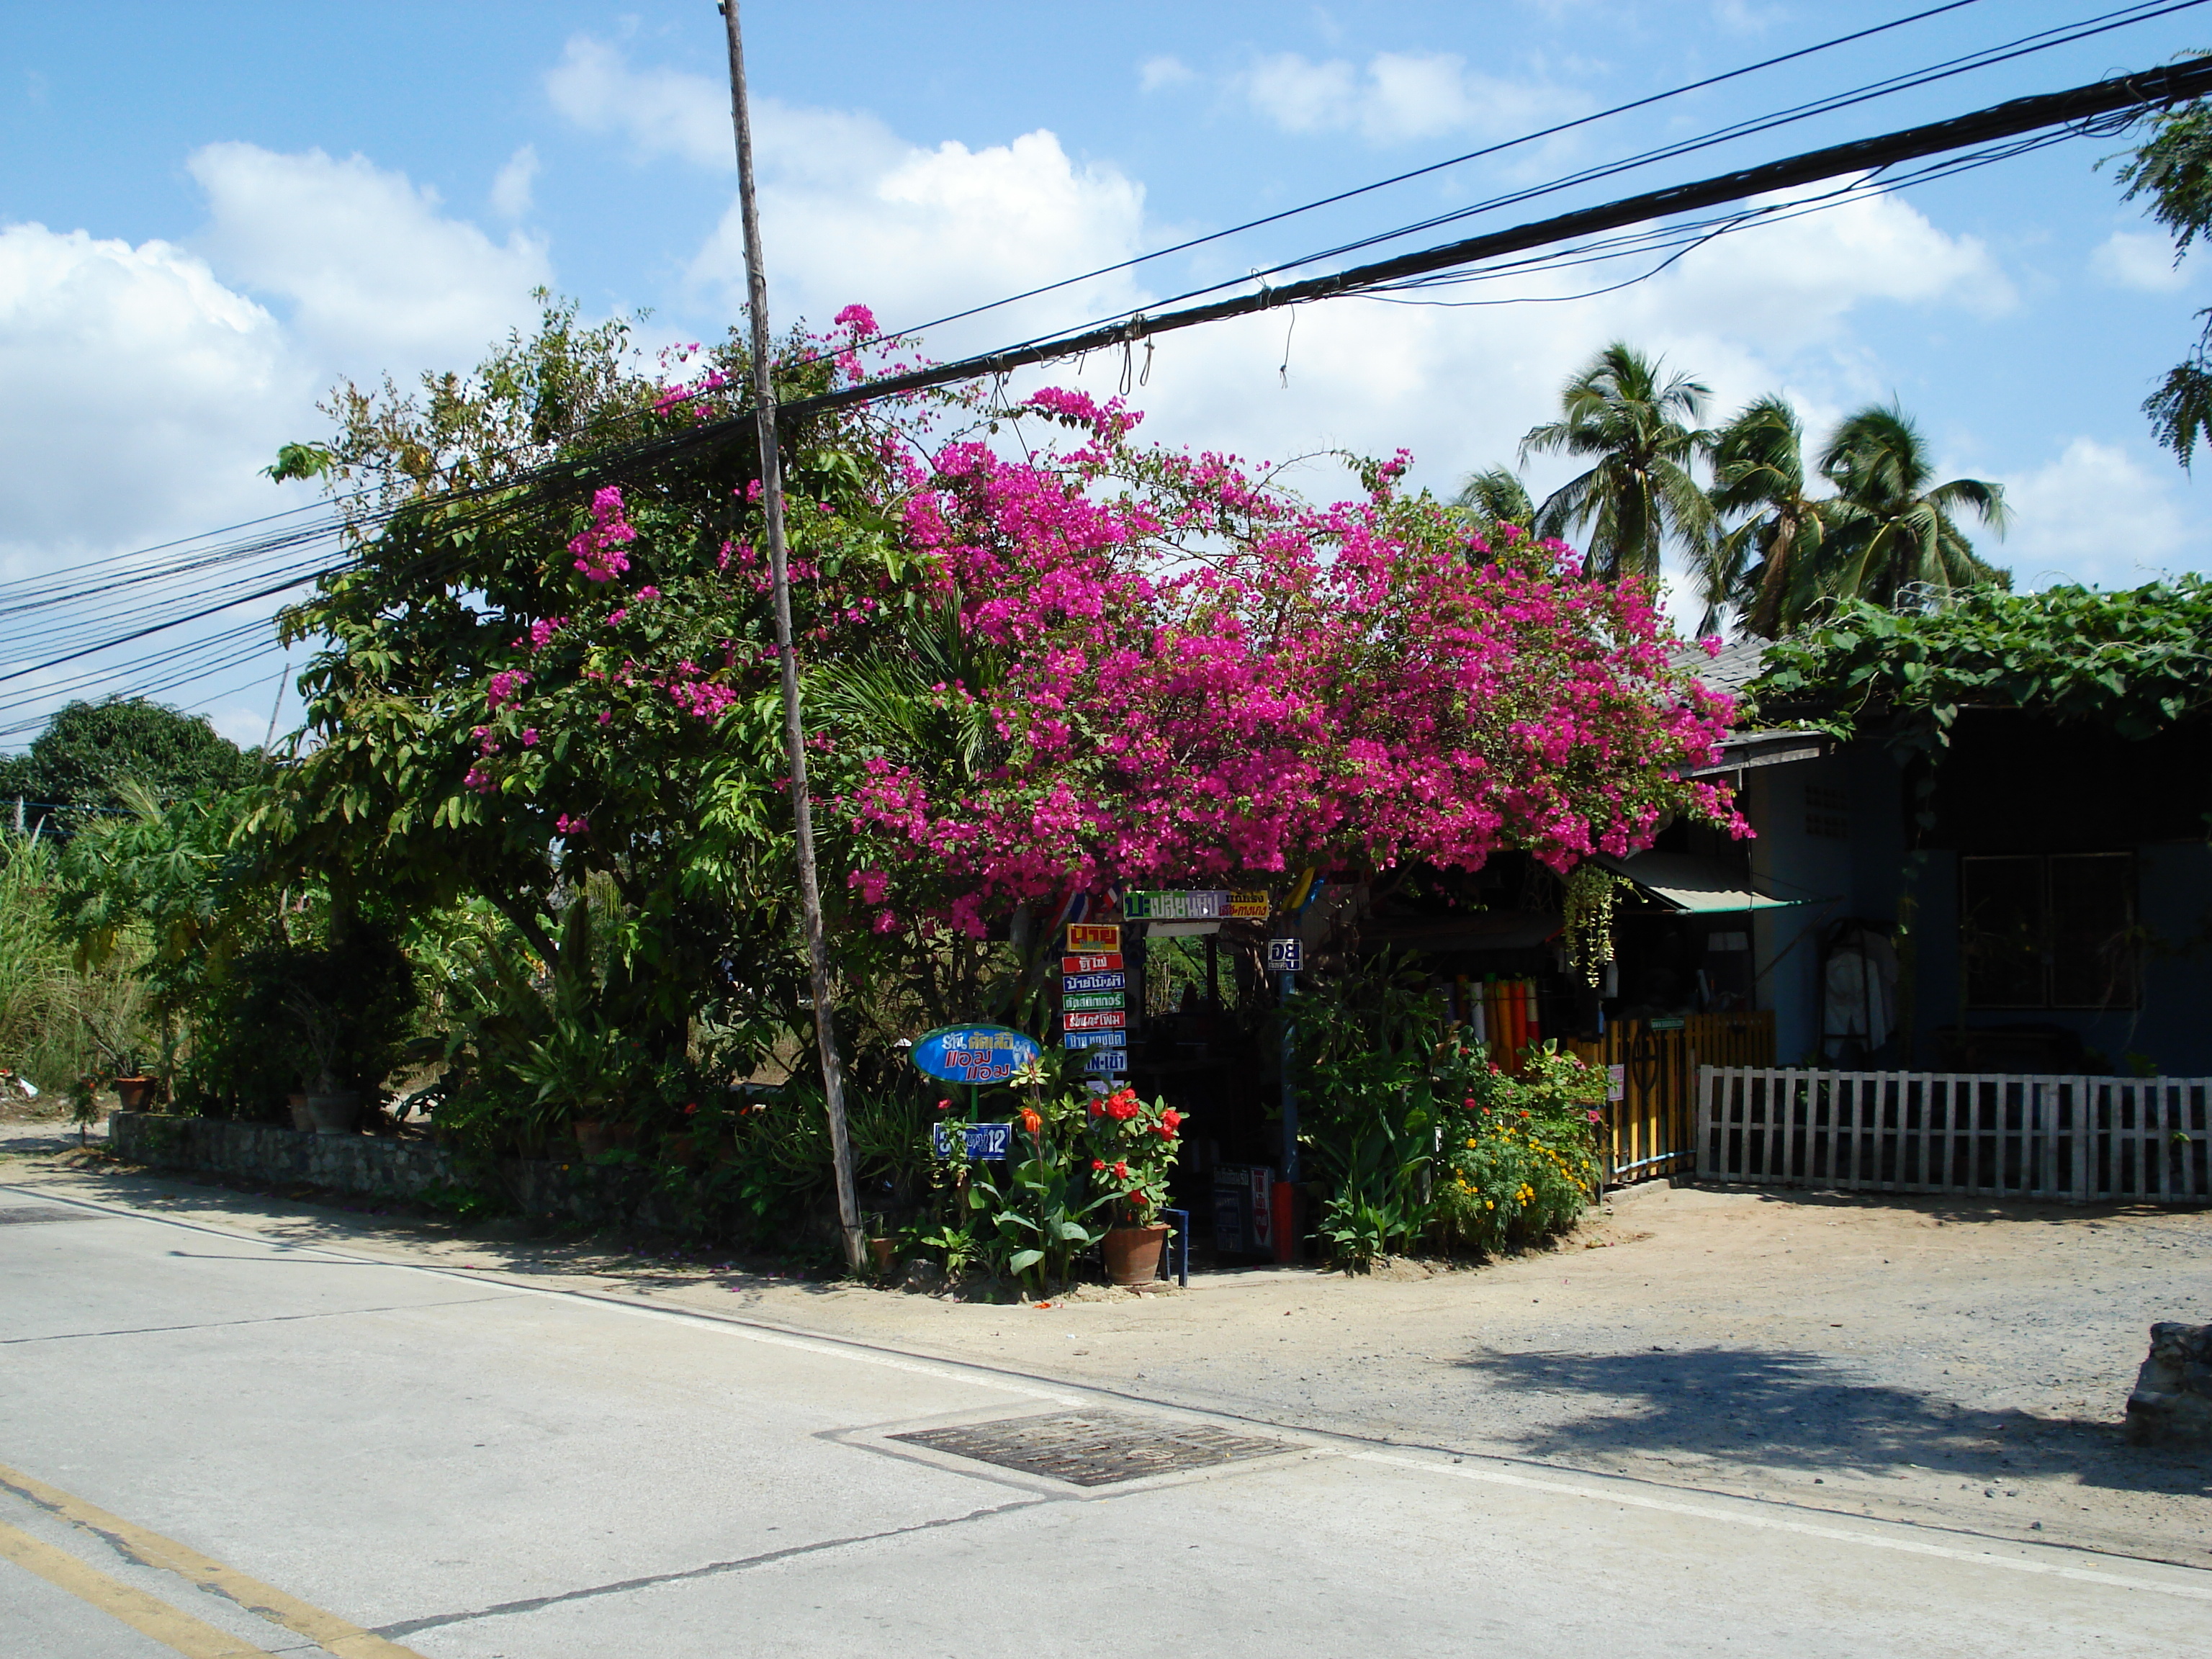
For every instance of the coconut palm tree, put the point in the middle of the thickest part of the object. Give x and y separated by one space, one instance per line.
1498 496
1767 565
1643 435
1890 526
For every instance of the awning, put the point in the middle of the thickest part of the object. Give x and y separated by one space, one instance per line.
1700 886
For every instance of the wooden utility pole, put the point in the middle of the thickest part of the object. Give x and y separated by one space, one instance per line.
795 729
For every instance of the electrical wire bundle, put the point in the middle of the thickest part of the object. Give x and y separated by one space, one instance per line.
61 635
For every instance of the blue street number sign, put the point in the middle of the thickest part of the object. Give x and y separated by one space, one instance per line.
984 1140
1287 956
1105 1060
972 1054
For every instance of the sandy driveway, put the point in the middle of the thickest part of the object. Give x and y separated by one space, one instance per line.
1958 1365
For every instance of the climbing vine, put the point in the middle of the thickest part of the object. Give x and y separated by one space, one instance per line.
2137 660
1590 895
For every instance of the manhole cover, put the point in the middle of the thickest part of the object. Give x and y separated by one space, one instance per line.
1094 1448
44 1213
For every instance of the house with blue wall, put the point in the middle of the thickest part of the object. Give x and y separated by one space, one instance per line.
2034 895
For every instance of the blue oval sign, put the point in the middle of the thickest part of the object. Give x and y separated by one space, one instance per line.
972 1054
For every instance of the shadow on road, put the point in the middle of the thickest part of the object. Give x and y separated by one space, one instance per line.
1806 1411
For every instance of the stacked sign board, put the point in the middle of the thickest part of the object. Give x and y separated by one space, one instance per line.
1094 997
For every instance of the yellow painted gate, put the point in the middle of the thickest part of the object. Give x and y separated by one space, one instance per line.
1650 1126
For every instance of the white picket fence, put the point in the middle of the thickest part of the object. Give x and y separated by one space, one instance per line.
2082 1139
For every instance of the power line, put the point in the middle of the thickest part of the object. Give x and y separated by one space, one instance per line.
535 487
1486 151
2024 46
2169 84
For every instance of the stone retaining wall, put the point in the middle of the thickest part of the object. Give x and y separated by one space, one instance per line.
376 1166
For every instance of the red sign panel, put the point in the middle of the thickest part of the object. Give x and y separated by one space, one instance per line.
1102 1020
1094 961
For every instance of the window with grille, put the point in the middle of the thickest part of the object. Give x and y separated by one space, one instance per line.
2050 931
1827 812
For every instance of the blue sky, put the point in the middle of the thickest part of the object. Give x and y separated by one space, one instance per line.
212 212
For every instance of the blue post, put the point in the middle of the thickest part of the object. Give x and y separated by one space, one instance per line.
1179 1244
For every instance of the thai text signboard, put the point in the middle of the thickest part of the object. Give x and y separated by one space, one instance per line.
1113 981
1093 961
1211 904
973 1054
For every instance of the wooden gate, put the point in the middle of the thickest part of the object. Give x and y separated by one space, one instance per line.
2083 1139
1650 1127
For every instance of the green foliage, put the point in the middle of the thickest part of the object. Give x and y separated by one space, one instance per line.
1889 534
1519 1157
1890 525
1380 1168
2173 167
58 1020
1497 496
1369 1056
92 754
2136 661
1643 435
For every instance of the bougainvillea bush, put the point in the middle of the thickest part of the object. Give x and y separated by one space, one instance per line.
1199 676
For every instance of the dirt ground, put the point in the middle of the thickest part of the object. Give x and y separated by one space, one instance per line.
1955 1363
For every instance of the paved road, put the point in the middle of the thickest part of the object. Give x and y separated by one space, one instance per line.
385 1460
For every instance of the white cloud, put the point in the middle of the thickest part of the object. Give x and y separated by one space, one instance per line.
663 112
1397 97
849 213
2139 259
2098 515
376 276
1163 72
139 387
149 384
511 188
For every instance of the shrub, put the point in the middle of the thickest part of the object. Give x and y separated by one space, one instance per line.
1520 1155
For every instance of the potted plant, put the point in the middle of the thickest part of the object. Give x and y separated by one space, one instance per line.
134 1089
883 1248
1135 1146
334 1109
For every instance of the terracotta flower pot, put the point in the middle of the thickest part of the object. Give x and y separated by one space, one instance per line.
335 1115
885 1252
591 1136
298 1103
1132 1254
134 1094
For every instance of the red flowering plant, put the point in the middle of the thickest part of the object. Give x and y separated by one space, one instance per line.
1133 1147
1028 1216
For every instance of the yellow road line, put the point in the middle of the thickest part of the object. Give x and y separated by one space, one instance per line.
327 1630
143 1612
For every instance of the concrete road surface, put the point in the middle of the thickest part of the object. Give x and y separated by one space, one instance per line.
212 1444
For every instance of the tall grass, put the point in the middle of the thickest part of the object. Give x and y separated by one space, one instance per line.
57 1023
